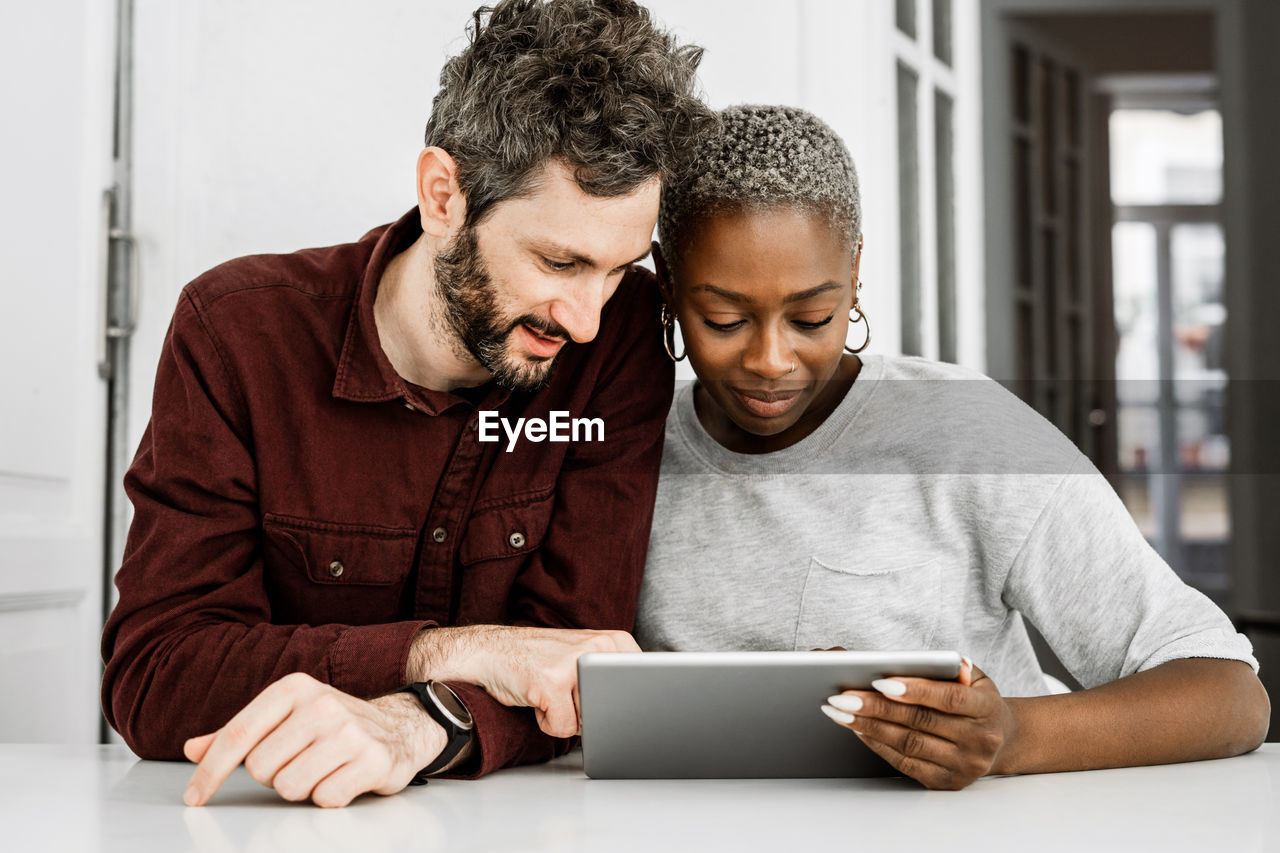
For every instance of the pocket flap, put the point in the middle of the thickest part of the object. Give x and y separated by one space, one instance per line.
507 530
350 554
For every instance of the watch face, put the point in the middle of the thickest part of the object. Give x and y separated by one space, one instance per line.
451 704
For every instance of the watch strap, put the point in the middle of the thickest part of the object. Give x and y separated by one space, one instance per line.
456 737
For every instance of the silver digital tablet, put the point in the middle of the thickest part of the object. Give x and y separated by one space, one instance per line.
731 715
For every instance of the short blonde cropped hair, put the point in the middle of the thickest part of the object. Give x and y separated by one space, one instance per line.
764 157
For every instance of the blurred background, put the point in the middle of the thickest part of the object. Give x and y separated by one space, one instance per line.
1077 197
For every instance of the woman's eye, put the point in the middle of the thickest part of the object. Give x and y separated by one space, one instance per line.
818 325
724 327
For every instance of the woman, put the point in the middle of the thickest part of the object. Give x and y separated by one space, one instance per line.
813 498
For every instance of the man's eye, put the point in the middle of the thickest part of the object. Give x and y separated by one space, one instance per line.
557 266
724 327
818 325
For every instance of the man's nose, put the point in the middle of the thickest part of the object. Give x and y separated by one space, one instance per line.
769 354
579 310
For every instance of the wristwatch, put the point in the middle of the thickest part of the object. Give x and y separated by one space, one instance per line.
444 706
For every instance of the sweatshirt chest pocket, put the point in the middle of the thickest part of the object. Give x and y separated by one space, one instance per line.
512 528
325 572
885 606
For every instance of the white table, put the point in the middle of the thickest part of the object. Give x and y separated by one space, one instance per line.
87 798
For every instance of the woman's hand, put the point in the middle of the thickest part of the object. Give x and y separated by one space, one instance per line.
943 734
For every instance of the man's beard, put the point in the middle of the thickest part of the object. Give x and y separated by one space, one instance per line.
478 327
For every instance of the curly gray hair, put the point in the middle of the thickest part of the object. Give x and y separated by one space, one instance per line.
594 83
764 157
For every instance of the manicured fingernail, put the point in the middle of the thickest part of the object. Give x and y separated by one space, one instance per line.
837 715
191 796
967 662
846 703
889 687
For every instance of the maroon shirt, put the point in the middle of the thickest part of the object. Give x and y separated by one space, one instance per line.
301 508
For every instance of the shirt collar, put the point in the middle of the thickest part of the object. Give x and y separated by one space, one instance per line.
365 374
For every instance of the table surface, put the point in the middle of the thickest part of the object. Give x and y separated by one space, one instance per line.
88 798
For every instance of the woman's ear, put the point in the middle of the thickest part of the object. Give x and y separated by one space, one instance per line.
664 274
857 263
441 205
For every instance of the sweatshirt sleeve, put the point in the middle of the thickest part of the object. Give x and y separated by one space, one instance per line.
1105 601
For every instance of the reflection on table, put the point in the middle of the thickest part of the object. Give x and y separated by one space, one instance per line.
102 798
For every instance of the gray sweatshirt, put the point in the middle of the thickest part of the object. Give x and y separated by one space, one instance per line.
932 510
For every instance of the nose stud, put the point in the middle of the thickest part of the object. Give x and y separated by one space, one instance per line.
793 369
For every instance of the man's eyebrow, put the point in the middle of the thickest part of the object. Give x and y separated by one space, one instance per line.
558 251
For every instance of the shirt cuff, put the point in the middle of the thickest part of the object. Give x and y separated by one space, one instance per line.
504 737
370 660
1223 644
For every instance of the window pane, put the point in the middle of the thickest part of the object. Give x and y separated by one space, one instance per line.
907 17
942 30
1198 309
909 210
1204 520
1021 84
944 146
1137 390
1163 157
1201 381
1023 227
1047 142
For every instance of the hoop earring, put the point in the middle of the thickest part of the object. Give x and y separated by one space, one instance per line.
862 318
668 321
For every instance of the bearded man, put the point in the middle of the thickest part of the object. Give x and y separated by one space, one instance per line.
334 576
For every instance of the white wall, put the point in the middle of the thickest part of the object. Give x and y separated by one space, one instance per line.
273 126
55 58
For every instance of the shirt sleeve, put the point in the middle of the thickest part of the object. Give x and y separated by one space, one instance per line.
1105 601
191 641
586 573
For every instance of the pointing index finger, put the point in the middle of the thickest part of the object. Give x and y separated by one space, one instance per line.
233 742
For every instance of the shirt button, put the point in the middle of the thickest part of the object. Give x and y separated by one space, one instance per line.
439 534
335 569
409 406
516 539
475 422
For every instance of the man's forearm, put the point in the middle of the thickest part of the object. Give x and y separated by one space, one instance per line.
1184 710
450 654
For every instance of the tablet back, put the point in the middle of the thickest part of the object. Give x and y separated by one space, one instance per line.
722 715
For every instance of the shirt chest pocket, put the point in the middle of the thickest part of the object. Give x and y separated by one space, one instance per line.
881 606
510 528
498 541
326 573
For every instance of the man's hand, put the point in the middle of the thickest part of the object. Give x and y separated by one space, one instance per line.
943 734
309 740
520 667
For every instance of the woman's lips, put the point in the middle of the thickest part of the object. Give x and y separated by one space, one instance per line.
539 345
766 404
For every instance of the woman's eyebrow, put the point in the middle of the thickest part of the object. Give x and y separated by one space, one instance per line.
719 291
825 287
800 296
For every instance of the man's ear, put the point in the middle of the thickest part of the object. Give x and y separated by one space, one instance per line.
664 273
441 205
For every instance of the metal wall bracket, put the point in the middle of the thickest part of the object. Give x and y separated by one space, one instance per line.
111 288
